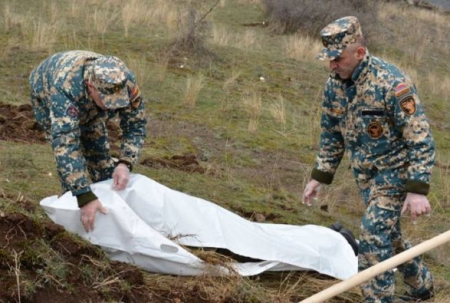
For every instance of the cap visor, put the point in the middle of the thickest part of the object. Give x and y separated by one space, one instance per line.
328 55
117 100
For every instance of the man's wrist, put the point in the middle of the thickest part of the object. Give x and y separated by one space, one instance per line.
126 163
85 198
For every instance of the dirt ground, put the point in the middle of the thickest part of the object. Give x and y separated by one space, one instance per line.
17 124
25 266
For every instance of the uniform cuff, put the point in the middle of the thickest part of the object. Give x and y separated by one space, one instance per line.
322 177
417 187
85 198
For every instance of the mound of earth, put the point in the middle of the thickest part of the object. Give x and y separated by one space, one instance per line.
17 123
41 262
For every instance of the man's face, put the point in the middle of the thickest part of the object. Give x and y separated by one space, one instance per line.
345 64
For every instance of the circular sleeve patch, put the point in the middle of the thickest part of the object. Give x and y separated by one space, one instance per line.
375 130
408 105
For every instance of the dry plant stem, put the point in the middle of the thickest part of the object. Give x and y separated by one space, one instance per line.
206 14
17 272
379 268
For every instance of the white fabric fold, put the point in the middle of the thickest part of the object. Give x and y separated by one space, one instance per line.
143 218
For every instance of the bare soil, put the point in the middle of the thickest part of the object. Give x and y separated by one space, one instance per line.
17 124
23 266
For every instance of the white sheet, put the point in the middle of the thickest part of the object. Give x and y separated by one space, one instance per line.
143 217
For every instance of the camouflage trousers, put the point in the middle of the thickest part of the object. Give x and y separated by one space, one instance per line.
381 237
93 144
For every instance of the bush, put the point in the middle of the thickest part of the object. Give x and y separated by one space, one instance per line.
310 16
191 40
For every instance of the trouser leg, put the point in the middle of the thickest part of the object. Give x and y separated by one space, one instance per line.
378 227
417 277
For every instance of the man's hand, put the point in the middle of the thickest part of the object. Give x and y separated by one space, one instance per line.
310 192
87 214
121 176
418 205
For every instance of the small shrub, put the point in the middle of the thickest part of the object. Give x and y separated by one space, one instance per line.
310 16
193 87
192 36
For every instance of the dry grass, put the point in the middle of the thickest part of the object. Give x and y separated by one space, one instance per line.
249 1
140 68
73 41
445 87
278 111
248 40
415 39
101 19
253 105
135 13
10 19
8 47
165 12
194 85
316 113
44 35
220 36
228 84
161 67
53 11
438 85
301 47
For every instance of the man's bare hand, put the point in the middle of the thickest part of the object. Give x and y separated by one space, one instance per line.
310 192
417 204
121 176
88 212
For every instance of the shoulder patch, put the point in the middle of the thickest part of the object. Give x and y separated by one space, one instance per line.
72 111
408 105
136 102
401 89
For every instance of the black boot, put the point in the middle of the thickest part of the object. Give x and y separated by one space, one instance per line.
336 226
347 234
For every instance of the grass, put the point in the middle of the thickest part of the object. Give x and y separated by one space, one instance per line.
251 113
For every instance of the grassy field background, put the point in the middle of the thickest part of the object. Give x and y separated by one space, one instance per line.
242 101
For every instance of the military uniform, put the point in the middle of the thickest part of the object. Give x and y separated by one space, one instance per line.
75 125
376 116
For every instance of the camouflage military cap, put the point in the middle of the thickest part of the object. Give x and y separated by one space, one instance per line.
337 35
110 76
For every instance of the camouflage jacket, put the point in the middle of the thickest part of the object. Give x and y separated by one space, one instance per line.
59 84
377 117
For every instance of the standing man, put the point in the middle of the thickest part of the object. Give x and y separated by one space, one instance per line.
73 94
372 110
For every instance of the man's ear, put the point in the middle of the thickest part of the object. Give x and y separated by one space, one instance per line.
360 52
89 85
